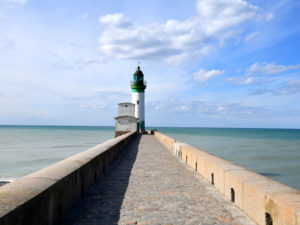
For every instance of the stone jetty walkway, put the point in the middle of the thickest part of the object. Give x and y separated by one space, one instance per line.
148 185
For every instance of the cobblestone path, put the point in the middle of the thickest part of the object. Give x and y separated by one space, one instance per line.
150 186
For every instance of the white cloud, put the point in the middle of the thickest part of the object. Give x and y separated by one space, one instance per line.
204 75
222 108
254 72
251 36
176 39
269 68
94 107
177 59
101 100
291 87
217 15
229 35
269 16
208 109
80 63
115 20
288 88
21 2
241 80
181 108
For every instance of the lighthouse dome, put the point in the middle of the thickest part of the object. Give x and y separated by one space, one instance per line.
138 72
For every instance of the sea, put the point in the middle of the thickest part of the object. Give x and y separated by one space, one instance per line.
274 153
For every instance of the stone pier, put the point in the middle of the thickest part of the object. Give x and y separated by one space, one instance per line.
148 185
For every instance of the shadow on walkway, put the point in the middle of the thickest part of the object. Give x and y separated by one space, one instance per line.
103 203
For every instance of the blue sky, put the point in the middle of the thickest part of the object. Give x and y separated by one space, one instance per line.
208 63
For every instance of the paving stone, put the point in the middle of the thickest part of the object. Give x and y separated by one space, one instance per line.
150 186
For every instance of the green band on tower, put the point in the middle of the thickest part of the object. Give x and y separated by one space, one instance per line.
137 88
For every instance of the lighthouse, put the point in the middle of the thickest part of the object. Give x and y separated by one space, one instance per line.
138 86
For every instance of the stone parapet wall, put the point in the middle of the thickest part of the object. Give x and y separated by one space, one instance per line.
257 196
119 133
46 196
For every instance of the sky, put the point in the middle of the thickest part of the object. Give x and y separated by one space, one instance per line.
208 63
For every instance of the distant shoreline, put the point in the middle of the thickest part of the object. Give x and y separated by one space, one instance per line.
148 127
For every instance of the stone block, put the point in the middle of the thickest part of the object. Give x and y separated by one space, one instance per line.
197 156
255 194
215 169
235 179
284 207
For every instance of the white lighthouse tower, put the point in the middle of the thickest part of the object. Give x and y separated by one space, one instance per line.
138 86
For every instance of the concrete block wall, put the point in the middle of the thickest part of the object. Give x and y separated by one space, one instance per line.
125 124
126 109
257 196
45 197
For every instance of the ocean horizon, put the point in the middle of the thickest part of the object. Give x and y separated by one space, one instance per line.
272 152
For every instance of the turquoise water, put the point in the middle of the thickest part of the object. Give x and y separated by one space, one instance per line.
272 152
25 149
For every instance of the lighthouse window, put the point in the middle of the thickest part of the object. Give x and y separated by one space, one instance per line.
137 102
